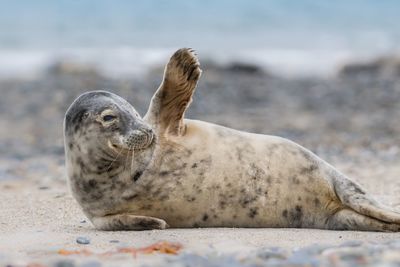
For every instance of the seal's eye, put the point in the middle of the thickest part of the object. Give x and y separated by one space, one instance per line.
85 115
109 117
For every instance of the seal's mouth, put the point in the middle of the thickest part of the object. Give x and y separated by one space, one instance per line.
136 140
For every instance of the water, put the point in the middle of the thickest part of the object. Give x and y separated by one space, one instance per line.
123 37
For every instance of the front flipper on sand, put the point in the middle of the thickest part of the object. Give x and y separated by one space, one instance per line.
122 222
169 103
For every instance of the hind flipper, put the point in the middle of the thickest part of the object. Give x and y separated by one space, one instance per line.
347 219
355 197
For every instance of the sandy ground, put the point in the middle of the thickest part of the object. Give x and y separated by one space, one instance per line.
39 217
350 120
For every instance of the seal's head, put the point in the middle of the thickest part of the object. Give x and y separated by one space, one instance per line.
104 120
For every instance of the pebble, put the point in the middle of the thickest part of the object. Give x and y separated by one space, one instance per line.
267 254
83 240
43 187
64 263
92 263
351 243
114 241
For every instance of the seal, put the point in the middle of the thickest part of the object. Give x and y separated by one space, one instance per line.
134 173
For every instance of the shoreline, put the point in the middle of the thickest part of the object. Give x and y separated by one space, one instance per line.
127 62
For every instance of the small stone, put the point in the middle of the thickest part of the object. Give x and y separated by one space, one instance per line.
267 254
83 240
114 241
64 263
91 263
43 187
351 243
83 221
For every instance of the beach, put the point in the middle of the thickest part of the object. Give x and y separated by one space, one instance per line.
324 74
349 119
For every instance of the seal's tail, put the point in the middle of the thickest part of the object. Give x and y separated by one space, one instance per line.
356 198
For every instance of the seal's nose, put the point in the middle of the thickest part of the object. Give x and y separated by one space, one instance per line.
141 126
140 137
149 132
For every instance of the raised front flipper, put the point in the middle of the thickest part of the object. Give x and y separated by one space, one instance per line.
121 222
169 103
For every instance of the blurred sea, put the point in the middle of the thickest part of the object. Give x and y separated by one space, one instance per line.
302 37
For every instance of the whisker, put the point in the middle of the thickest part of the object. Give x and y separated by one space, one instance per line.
112 162
105 152
132 161
126 163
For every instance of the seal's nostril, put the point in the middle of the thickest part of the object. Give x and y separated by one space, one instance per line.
139 138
